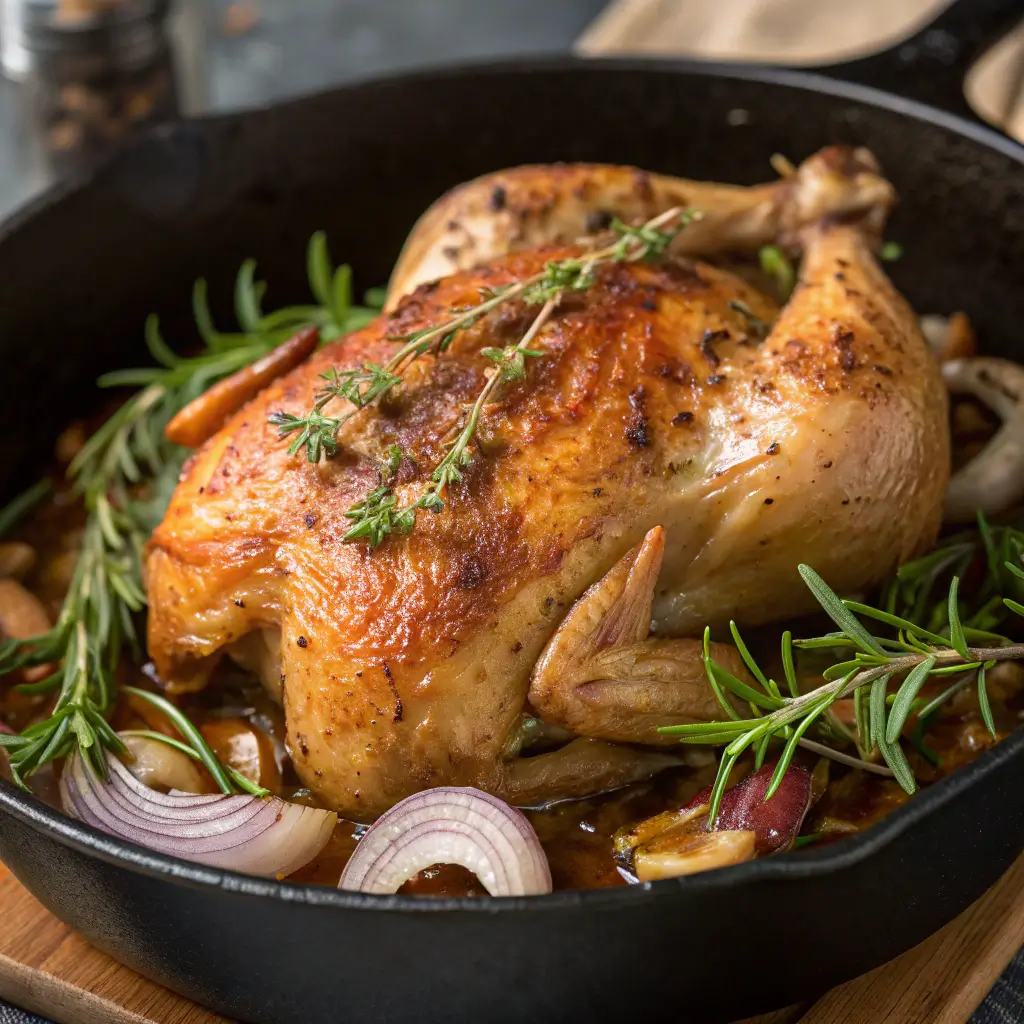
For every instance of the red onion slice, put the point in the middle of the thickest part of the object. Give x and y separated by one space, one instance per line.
258 836
776 822
450 825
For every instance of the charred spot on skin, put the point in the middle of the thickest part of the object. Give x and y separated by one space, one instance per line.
774 448
717 378
827 465
548 602
637 429
769 501
517 647
884 370
682 417
239 603
708 342
596 492
471 574
397 716
649 304
675 371
499 197
310 520
843 341
597 220
302 642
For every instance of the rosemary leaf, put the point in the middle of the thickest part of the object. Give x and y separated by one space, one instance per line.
956 630
838 612
16 510
983 702
752 665
905 697
788 665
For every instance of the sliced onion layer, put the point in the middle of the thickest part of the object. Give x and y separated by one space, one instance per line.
258 836
450 825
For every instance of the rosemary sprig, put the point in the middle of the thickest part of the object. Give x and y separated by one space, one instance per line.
989 551
870 665
124 475
317 434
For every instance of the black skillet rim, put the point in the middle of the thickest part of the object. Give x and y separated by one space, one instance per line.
84 839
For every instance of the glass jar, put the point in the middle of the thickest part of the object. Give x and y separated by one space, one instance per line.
96 77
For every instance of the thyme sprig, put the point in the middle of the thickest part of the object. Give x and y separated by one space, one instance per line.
316 434
870 663
124 475
379 514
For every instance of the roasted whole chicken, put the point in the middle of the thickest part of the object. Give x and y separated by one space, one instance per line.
681 444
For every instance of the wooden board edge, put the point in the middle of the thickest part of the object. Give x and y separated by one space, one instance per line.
50 997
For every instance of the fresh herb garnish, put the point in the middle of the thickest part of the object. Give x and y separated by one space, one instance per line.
317 434
912 656
379 514
124 476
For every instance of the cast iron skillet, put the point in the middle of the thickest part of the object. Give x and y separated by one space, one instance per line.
81 268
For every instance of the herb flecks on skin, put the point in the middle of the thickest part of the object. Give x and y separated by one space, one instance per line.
379 514
870 663
317 434
124 475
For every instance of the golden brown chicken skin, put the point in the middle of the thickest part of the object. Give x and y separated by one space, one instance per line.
662 461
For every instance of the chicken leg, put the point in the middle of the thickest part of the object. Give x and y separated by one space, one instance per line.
556 204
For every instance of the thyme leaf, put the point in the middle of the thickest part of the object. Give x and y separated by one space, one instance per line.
367 384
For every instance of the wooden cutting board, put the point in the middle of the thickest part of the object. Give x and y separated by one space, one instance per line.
46 968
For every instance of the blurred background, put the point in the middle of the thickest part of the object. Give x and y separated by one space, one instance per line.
82 75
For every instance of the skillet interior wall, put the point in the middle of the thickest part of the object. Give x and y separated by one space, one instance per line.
78 278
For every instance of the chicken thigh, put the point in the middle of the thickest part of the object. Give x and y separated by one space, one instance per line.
665 465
